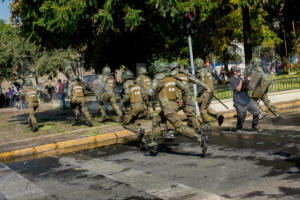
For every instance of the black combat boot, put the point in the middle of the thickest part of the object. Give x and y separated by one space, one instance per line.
103 118
29 122
77 121
140 137
203 139
220 119
277 117
90 122
152 147
35 127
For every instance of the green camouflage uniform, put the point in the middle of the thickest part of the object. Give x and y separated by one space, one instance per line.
204 101
260 90
187 95
145 82
30 94
109 97
169 95
76 93
133 98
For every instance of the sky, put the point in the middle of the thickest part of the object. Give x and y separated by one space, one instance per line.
4 10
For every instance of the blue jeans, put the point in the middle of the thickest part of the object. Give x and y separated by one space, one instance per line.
11 102
21 104
62 98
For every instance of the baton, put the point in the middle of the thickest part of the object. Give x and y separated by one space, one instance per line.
220 101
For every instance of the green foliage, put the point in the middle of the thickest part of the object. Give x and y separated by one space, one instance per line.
16 54
49 63
128 32
61 15
19 58
133 18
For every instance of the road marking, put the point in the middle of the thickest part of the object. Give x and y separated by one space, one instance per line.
13 186
140 180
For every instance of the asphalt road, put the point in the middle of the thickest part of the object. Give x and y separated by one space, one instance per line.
237 166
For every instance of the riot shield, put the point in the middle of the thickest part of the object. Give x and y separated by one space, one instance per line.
255 78
99 88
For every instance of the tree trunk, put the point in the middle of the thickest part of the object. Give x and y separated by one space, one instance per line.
226 62
284 64
36 78
282 50
247 35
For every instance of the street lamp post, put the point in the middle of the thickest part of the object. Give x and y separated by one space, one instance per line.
189 19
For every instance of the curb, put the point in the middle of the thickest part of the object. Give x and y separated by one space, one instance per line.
68 146
94 141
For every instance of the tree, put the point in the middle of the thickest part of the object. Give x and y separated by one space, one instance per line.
280 17
114 32
16 54
20 58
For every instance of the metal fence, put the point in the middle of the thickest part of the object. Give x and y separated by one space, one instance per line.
278 85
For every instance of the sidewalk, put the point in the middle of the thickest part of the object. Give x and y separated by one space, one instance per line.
275 98
58 135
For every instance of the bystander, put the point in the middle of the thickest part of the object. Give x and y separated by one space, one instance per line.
61 92
242 101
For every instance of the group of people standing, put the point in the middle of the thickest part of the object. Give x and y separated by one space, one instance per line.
11 98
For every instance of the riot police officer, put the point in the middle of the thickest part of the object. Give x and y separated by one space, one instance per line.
165 87
133 98
30 93
261 87
76 93
187 97
104 90
204 74
145 82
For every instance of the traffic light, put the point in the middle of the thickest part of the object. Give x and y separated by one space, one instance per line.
189 18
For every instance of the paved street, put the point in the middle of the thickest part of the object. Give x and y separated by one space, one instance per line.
237 166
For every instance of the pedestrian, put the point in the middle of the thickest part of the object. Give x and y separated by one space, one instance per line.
242 101
10 97
2 99
21 100
16 95
61 92
66 85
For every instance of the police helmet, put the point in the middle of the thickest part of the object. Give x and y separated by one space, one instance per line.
174 64
255 61
160 67
106 71
28 83
198 62
127 75
142 71
74 78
